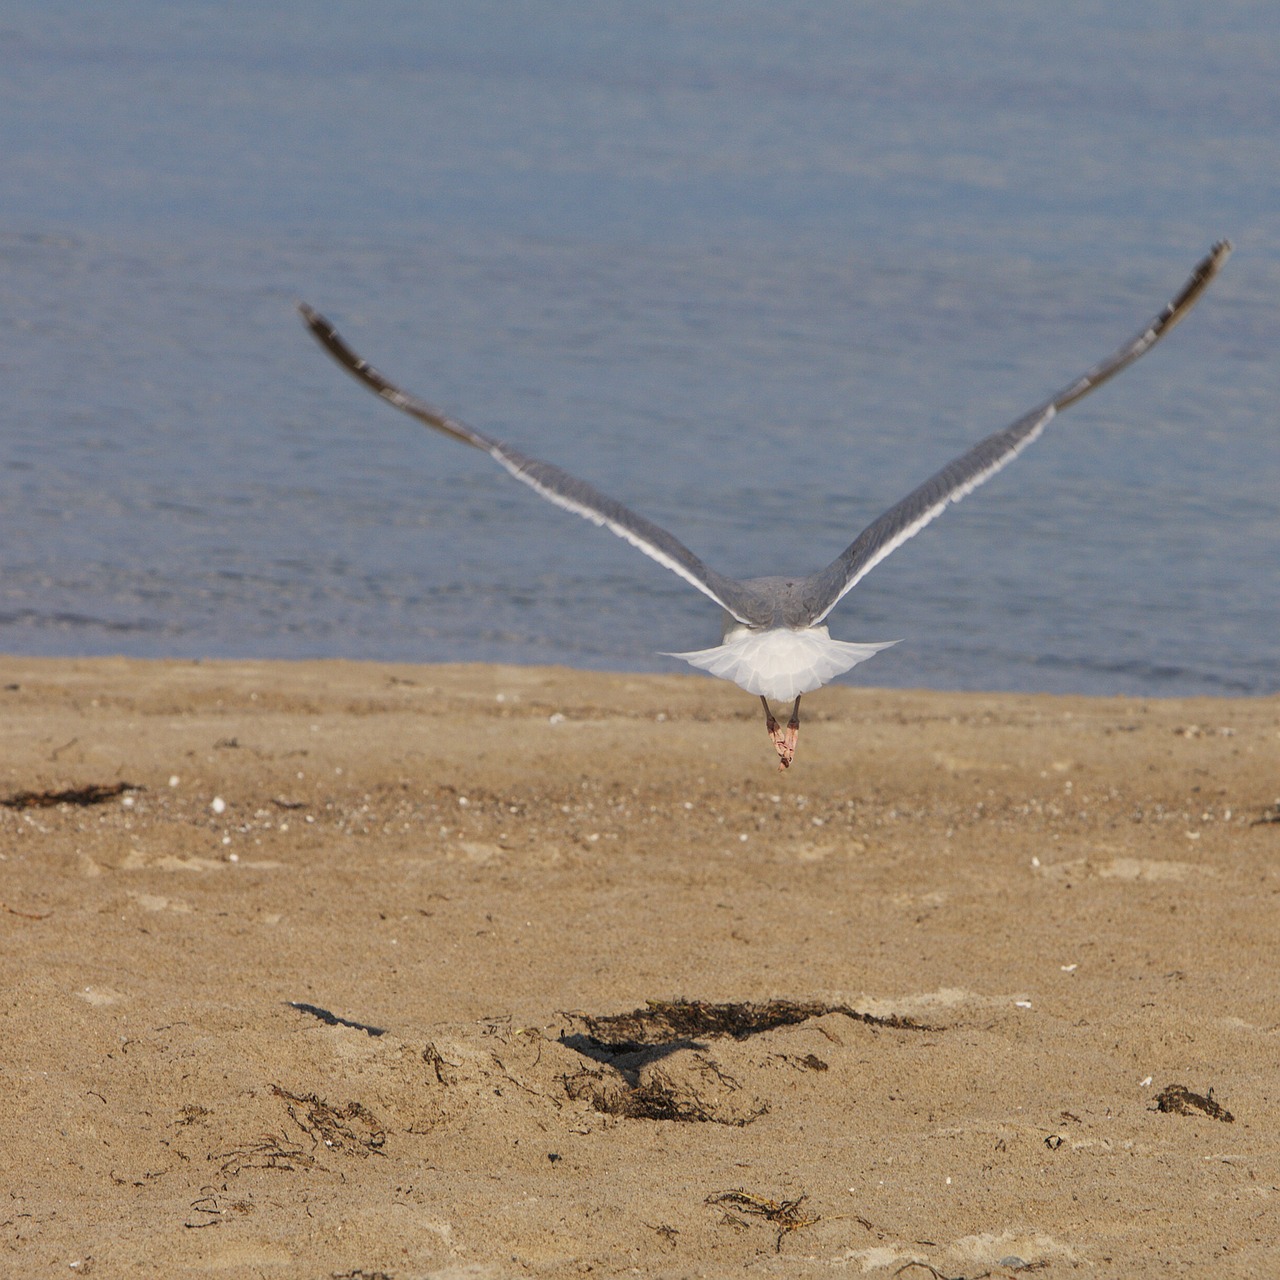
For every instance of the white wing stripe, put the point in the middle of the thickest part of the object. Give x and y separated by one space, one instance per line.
559 487
623 532
932 512
988 456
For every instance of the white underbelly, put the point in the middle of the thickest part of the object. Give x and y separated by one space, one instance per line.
780 663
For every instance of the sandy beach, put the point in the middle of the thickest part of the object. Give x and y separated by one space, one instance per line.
320 969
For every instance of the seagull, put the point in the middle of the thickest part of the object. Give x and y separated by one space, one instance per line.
775 641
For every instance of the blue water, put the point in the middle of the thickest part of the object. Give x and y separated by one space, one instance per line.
756 269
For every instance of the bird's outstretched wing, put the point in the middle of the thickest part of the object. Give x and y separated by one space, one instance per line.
553 484
966 473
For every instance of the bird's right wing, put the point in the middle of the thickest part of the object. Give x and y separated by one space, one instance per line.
550 481
961 477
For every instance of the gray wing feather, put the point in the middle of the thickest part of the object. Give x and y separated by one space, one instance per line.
551 482
960 477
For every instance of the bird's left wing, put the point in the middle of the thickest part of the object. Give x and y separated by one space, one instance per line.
961 477
550 481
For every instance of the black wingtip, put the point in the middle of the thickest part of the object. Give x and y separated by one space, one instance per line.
314 320
1206 269
328 337
1216 256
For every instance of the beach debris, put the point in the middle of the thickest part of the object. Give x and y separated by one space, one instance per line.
1011 1264
1177 1099
786 1215
1267 816
439 1064
26 915
352 1128
666 1232
704 1094
267 1152
688 1086
93 793
216 1206
666 1021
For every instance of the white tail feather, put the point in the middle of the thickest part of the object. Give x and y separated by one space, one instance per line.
780 663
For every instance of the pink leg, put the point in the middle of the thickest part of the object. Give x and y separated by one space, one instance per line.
784 740
793 734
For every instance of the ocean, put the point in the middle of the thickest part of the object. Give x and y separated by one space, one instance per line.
754 269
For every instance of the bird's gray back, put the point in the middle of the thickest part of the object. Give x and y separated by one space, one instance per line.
782 601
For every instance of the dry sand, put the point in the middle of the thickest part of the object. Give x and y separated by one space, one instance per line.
462 870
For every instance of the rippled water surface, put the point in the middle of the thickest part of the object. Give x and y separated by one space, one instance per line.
755 270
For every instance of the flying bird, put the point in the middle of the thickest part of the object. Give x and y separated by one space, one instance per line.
775 642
